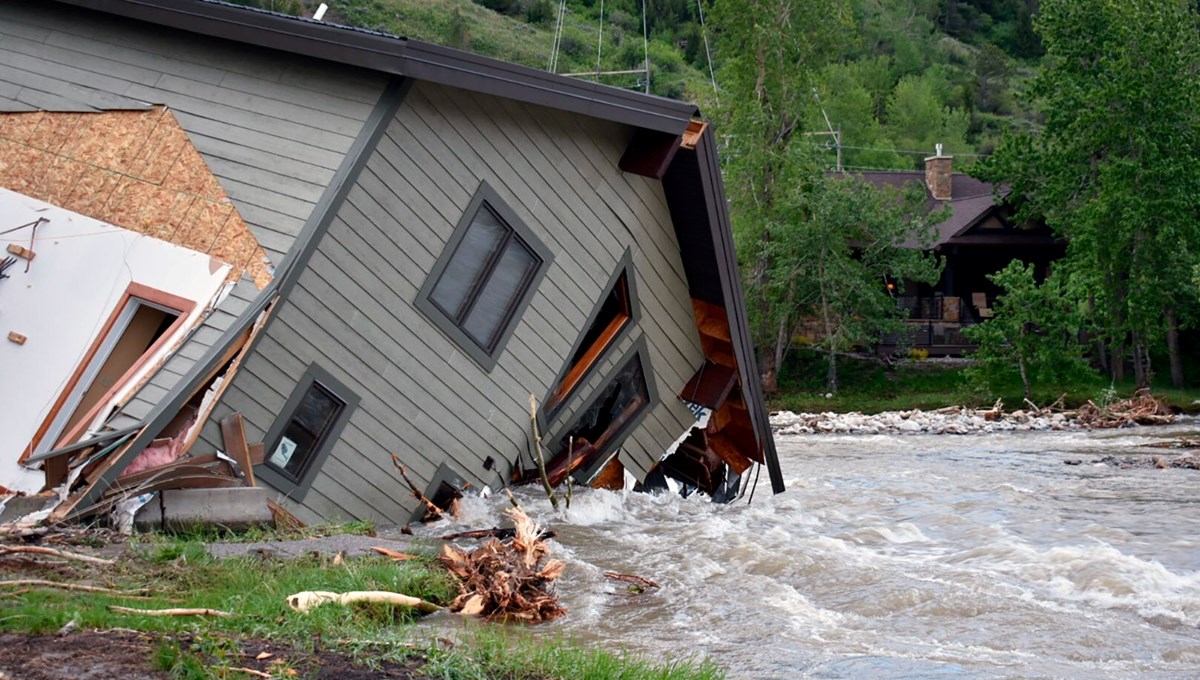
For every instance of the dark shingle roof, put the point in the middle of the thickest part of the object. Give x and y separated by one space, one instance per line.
970 199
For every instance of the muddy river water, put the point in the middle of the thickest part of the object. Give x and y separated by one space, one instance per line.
911 556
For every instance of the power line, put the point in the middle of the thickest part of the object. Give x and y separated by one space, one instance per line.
916 153
646 45
704 33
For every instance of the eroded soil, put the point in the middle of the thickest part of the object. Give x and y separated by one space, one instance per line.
113 654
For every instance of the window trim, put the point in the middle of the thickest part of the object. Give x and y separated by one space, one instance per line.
550 409
639 350
485 198
297 488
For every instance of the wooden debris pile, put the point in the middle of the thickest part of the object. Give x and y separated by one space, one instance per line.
1141 409
507 580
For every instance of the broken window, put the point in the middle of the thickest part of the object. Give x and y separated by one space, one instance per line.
613 315
309 424
484 277
611 413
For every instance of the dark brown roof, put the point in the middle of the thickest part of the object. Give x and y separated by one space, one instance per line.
970 200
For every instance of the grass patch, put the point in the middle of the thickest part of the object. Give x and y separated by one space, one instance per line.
870 386
178 572
521 657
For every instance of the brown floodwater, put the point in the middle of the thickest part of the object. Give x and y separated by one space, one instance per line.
910 556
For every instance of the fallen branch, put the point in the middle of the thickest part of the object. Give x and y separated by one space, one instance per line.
432 511
496 532
37 550
40 583
172 612
538 458
631 578
302 602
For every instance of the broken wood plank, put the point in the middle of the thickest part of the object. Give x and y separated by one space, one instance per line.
394 554
233 431
21 251
258 453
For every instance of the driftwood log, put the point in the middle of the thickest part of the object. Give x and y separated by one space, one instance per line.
303 602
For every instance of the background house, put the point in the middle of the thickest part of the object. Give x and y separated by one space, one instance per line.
977 239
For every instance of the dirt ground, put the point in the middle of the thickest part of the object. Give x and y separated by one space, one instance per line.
127 655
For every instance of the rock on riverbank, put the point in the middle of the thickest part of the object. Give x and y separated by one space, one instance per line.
942 421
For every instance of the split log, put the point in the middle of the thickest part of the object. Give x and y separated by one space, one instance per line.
37 550
302 602
395 555
172 612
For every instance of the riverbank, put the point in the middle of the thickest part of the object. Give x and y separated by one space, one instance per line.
99 607
867 385
916 421
1141 409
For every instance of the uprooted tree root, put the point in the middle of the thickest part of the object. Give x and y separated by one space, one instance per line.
507 580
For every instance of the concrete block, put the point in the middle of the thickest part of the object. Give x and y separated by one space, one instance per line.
183 509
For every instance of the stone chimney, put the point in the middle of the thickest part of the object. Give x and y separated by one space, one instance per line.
937 174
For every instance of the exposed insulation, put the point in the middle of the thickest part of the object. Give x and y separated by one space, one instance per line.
133 169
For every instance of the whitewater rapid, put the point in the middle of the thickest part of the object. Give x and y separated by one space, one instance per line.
901 556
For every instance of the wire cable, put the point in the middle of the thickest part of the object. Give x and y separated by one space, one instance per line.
704 33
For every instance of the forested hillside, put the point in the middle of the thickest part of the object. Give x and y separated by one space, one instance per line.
910 73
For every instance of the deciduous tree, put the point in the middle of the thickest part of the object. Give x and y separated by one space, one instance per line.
1115 169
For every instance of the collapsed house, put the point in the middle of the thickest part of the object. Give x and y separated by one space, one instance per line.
330 246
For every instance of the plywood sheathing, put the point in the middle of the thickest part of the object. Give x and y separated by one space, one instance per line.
134 169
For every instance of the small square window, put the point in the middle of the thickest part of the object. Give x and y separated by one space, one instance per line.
303 435
484 277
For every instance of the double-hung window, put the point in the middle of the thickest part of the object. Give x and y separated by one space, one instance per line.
484 277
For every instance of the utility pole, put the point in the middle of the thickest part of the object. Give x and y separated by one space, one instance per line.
837 142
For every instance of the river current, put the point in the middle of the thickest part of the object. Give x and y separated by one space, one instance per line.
906 556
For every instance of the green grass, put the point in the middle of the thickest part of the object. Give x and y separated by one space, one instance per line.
870 386
179 573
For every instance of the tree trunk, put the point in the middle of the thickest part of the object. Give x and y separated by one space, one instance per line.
831 376
1116 361
1141 372
1173 349
1025 378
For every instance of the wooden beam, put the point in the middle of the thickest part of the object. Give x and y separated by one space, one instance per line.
233 431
